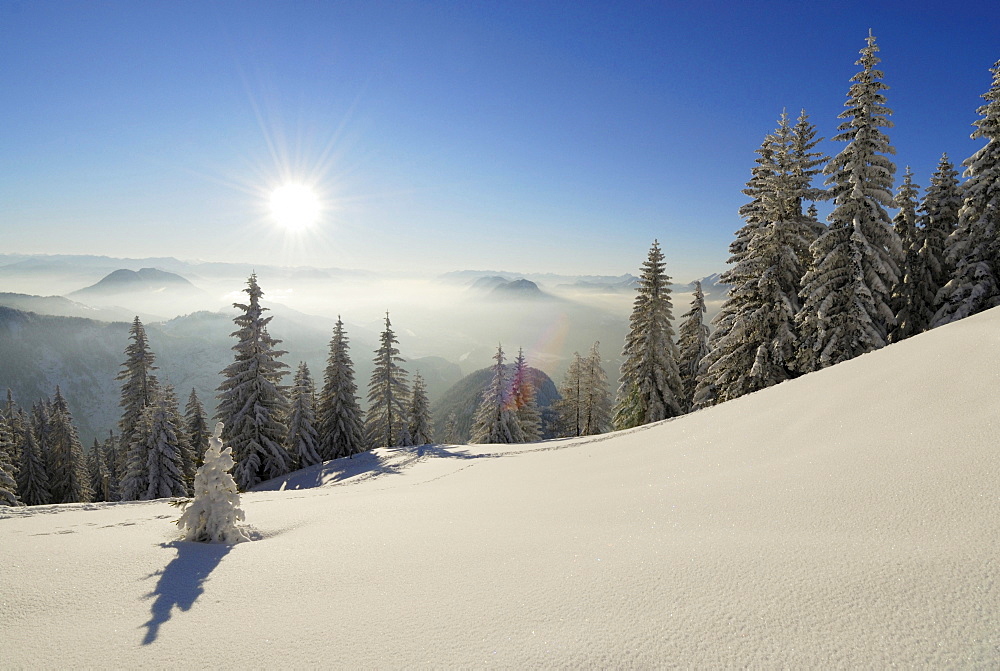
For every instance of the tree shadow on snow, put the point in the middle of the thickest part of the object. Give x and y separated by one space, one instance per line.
391 461
181 581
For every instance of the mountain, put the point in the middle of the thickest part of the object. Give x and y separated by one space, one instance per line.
844 519
464 397
144 280
58 306
521 289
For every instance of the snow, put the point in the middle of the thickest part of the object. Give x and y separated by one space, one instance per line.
847 518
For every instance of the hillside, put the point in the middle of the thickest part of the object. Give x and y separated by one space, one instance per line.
845 519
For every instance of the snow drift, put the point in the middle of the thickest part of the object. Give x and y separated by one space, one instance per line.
848 518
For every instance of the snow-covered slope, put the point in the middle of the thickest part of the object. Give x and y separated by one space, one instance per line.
850 518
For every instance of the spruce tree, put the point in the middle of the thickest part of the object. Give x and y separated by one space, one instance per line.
974 250
846 293
523 398
8 484
302 437
32 477
496 418
912 297
755 341
100 478
69 481
138 382
570 406
134 485
252 404
595 399
113 462
938 220
387 393
650 385
692 344
196 422
214 514
340 420
451 436
164 458
419 417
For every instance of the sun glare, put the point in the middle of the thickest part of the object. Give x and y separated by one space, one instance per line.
295 207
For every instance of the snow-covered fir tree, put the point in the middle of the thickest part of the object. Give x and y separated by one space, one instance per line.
340 420
196 423
213 516
17 425
569 407
252 404
912 296
692 344
138 382
387 393
846 293
302 437
451 436
523 398
755 341
938 220
8 484
32 477
100 478
650 384
113 462
188 465
496 418
419 418
164 460
596 397
134 484
69 481
974 251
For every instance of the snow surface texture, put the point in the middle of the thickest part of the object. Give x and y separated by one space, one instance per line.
846 519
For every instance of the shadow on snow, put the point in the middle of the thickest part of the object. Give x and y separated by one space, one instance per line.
181 581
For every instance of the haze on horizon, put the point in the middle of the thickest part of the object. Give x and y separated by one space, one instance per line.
529 137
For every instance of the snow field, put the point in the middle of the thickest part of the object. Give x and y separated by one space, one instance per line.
849 518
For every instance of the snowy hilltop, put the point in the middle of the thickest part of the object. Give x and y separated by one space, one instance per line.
845 518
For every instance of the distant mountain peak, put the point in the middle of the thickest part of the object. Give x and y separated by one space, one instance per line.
142 280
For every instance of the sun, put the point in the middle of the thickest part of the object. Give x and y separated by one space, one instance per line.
295 207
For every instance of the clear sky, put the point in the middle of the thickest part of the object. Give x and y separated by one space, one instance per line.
528 136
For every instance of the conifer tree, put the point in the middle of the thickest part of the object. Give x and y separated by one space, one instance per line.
912 297
523 398
100 478
164 459
8 485
419 420
496 419
595 399
214 514
755 341
650 385
846 293
938 220
113 462
341 422
32 478
188 466
134 484
302 438
17 424
387 393
252 405
570 406
692 344
69 481
138 382
451 436
974 250
196 422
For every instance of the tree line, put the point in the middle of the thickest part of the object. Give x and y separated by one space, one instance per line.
802 295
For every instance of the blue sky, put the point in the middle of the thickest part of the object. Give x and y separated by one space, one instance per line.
528 136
